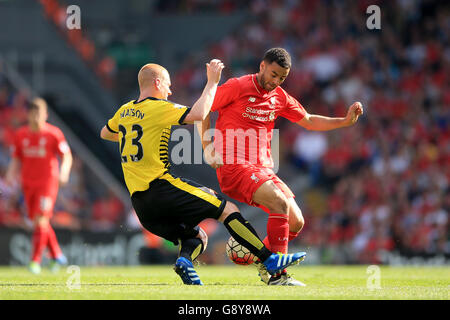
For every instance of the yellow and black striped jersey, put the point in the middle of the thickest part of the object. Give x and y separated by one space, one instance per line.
144 131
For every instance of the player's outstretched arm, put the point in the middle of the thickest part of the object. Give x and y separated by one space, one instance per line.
321 123
105 134
202 106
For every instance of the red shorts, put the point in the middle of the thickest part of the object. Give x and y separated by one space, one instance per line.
241 181
40 200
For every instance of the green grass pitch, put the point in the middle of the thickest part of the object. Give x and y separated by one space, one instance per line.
225 283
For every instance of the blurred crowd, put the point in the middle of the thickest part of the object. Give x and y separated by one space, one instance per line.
83 203
99 62
195 6
384 183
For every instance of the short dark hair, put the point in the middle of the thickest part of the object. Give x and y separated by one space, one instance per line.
36 103
278 55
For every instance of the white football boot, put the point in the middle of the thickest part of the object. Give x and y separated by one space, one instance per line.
284 280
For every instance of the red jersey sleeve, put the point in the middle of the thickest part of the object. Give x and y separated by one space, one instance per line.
293 110
226 94
62 146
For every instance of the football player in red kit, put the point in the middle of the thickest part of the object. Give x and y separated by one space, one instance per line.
35 152
248 107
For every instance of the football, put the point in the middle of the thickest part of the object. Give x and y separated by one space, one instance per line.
238 253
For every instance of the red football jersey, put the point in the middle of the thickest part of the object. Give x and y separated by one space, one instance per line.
38 154
247 115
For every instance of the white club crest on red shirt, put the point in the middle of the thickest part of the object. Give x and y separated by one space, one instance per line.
272 103
254 178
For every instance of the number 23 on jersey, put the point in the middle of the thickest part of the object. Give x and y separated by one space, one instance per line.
127 147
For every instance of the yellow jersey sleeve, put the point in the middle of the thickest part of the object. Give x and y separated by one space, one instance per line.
113 123
170 113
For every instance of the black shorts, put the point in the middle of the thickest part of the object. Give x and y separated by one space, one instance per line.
172 207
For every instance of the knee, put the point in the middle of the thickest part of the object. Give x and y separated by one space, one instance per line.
296 224
279 204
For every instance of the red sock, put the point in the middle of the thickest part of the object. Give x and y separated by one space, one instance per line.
278 232
52 244
293 235
39 242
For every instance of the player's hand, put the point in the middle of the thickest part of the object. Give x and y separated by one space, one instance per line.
214 70
63 179
10 181
353 113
